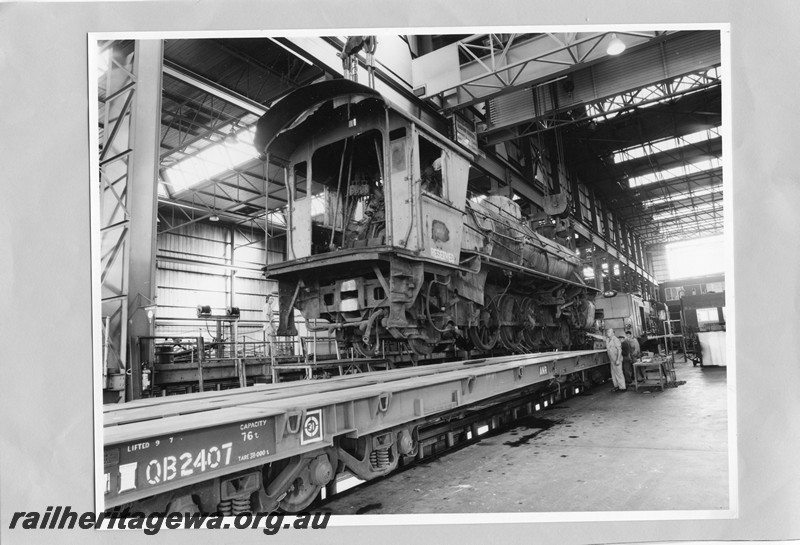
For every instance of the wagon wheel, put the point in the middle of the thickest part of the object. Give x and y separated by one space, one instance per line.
484 335
300 496
300 493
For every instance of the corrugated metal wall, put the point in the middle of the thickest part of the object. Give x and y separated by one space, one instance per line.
224 269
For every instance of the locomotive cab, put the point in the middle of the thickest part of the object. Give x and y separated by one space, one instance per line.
351 163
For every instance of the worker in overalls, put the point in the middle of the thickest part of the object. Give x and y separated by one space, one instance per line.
630 353
614 349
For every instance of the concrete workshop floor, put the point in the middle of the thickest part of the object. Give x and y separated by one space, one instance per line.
601 451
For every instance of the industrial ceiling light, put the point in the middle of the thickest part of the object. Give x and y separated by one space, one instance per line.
615 46
151 312
231 137
214 216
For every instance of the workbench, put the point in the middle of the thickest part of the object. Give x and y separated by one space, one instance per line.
654 371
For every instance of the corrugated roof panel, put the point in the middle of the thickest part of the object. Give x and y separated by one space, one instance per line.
510 108
680 55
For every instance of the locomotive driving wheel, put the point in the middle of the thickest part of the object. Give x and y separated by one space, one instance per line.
564 334
532 334
511 336
485 335
551 337
558 336
534 338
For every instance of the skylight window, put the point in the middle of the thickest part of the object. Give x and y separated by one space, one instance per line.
680 229
666 144
702 192
689 211
696 258
703 165
212 161
162 188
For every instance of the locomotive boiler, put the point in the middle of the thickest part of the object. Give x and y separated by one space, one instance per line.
388 237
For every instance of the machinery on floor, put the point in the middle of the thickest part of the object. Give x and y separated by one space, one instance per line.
644 318
704 322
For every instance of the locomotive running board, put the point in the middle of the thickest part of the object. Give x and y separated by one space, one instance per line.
533 273
153 446
346 257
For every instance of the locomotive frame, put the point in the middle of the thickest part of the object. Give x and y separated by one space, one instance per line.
389 237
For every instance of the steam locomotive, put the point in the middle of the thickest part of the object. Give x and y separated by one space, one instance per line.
389 236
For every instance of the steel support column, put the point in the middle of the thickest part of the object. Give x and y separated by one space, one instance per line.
142 197
117 88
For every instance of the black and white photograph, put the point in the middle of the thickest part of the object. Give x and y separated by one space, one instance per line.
347 273
409 246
